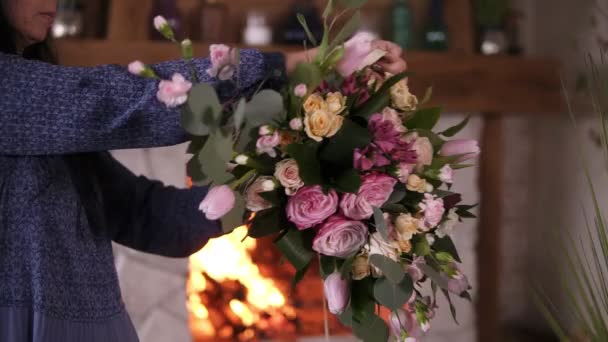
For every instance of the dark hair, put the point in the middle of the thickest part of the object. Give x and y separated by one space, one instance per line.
81 166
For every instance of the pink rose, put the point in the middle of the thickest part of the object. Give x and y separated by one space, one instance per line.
137 68
174 93
267 143
384 134
468 148
355 51
311 206
300 90
223 62
337 293
391 115
375 190
288 174
424 152
218 202
446 174
433 210
253 200
340 237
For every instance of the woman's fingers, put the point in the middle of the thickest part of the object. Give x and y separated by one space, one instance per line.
393 61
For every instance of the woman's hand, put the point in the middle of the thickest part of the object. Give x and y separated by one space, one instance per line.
393 62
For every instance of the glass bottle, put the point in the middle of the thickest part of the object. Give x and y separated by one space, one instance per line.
213 17
169 10
402 23
436 34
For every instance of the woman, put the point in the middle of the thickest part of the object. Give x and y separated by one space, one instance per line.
63 199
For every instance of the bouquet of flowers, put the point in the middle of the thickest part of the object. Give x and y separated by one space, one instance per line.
342 165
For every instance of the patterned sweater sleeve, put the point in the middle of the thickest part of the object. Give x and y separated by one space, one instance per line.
47 109
150 217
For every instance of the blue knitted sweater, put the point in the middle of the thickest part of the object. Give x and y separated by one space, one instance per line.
57 277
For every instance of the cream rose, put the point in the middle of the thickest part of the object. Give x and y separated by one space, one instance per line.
402 98
406 226
415 183
336 103
322 124
314 103
288 174
424 152
361 267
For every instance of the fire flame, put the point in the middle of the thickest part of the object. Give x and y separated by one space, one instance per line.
229 258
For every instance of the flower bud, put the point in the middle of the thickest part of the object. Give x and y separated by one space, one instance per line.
137 68
266 130
300 90
241 159
162 26
337 293
187 50
268 185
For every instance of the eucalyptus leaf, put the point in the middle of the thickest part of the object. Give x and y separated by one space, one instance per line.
275 197
446 244
202 101
381 223
452 307
362 299
265 107
234 218
194 170
223 146
213 164
391 269
393 296
196 144
452 131
346 318
299 276
424 119
308 162
353 4
339 149
296 246
395 208
266 222
373 329
430 272
239 113
398 194
347 267
309 34
247 135
353 24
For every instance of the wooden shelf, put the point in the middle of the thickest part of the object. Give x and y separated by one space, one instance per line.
461 82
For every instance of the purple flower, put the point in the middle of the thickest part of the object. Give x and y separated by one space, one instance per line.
404 152
433 210
369 157
384 133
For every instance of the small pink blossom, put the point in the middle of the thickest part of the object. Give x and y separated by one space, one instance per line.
218 202
296 124
340 237
174 93
424 152
391 115
160 22
466 148
300 90
337 293
433 210
375 190
446 174
369 157
137 68
311 206
384 134
355 51
267 143
223 62
404 170
405 320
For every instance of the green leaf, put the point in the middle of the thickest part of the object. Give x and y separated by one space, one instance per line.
275 197
452 307
235 217
347 267
452 131
328 10
362 299
430 272
348 181
340 148
196 144
297 247
398 194
353 4
248 134
327 265
446 244
393 296
380 223
424 119
265 107
333 58
194 170
203 103
308 162
373 329
311 37
391 269
353 24
213 164
239 113
439 162
299 275
307 73
395 208
266 222
421 245
380 99
346 318
223 146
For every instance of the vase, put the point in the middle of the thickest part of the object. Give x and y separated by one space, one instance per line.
493 42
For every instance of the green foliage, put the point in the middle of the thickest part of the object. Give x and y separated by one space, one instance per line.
391 269
266 222
381 223
446 244
235 217
424 119
339 149
348 181
308 162
309 34
391 295
203 110
452 131
264 108
296 246
380 99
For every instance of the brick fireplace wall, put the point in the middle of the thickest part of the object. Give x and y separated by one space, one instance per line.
154 287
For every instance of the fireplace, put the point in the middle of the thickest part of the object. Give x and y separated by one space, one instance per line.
240 290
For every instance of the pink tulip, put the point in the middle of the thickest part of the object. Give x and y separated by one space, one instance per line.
468 148
337 293
218 202
174 93
355 51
